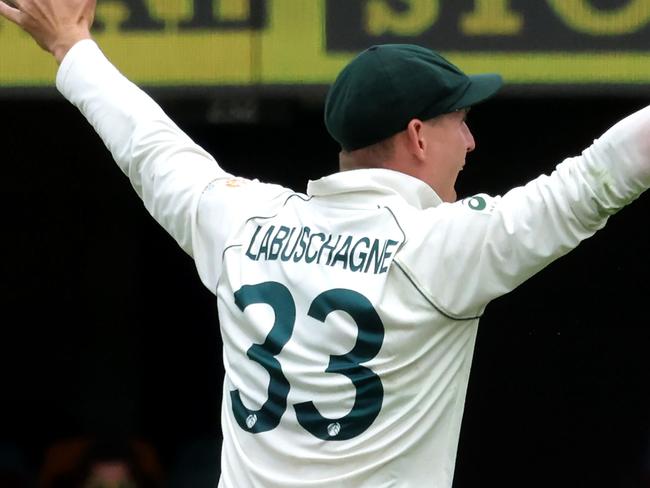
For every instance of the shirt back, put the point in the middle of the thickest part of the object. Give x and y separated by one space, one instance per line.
338 371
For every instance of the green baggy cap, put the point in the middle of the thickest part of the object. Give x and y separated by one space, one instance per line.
386 86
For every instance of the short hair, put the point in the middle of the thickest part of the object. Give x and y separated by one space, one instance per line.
373 156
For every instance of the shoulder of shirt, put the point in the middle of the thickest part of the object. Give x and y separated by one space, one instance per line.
249 194
238 183
481 203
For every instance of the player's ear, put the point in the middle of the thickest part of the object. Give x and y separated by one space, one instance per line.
415 139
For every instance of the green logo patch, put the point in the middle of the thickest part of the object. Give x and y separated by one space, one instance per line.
476 203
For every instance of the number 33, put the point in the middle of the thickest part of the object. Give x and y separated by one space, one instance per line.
369 390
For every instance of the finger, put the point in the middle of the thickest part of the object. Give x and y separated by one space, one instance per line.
11 13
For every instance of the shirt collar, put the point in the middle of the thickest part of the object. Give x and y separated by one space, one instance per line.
381 182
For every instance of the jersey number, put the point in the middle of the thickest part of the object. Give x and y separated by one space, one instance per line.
369 390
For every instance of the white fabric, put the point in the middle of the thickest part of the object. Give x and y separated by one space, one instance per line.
427 269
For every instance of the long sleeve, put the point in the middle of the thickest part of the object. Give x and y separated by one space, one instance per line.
483 247
168 171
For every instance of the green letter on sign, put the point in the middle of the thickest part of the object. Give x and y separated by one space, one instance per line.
414 20
491 17
584 17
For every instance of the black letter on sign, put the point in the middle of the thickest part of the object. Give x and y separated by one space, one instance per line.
205 16
139 18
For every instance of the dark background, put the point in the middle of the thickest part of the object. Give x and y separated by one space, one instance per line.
107 329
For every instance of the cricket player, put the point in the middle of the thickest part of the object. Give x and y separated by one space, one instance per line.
348 313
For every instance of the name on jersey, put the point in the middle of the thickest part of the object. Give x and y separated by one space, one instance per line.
302 244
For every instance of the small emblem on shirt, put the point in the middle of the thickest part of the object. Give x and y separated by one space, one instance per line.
251 420
333 429
477 203
480 203
235 182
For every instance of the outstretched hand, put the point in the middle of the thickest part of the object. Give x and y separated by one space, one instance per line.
56 25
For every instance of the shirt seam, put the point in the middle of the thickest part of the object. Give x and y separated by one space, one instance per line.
450 315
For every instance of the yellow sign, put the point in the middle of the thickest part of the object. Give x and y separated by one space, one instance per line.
306 42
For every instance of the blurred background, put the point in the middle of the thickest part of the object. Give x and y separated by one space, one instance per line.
110 355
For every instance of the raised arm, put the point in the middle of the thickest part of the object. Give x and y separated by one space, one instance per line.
56 25
167 170
489 245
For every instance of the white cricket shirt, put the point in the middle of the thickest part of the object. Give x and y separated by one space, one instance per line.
349 313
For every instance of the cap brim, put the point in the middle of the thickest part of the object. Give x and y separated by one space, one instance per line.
481 88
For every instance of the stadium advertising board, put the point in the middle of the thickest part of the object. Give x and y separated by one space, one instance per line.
305 42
